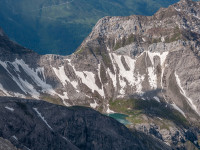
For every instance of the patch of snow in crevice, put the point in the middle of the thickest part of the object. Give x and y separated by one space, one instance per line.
16 66
182 91
19 95
138 84
177 108
15 137
177 9
112 77
152 77
64 96
139 55
66 139
120 96
34 75
60 73
163 57
27 148
196 17
88 78
25 86
123 86
134 79
10 108
28 88
94 105
40 71
66 104
108 49
108 111
98 70
157 99
43 119
15 79
163 39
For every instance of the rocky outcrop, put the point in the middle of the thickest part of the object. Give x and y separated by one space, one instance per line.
123 56
37 125
6 145
149 58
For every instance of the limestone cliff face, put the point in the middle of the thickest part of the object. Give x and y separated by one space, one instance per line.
154 57
123 56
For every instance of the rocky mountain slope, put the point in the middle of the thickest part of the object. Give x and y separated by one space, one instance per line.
64 23
37 125
152 59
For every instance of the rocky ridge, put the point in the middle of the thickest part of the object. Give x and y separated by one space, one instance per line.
150 58
30 124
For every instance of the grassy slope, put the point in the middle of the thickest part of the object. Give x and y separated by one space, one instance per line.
146 111
61 29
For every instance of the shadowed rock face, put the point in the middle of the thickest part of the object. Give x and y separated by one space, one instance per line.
35 125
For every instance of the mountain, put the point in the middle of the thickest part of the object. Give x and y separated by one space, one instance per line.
59 27
37 125
146 67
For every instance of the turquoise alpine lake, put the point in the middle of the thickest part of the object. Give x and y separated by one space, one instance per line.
119 117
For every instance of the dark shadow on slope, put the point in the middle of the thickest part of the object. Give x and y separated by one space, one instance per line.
135 105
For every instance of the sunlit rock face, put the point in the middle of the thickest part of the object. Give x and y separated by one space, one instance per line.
146 58
138 56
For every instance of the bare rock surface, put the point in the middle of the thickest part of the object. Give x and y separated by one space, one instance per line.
142 57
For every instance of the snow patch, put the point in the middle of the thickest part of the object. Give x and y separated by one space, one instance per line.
157 99
43 119
152 77
99 69
108 49
134 79
177 108
60 73
177 9
10 108
19 95
162 56
94 105
64 96
28 88
40 71
112 77
163 39
184 93
88 78
24 85
15 137
108 111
